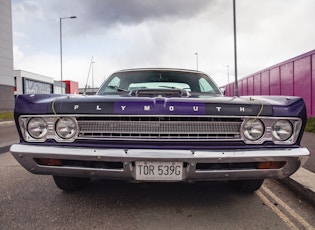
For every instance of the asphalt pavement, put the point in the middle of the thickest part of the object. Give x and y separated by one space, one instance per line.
302 182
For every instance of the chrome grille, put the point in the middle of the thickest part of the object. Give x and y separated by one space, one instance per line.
159 128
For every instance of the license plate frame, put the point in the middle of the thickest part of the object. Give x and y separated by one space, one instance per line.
159 171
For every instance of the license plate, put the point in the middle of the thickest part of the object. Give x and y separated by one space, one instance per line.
159 171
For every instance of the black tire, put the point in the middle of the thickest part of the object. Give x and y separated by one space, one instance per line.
71 184
247 185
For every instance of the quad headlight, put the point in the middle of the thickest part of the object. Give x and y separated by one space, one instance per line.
66 127
253 129
282 130
40 129
37 128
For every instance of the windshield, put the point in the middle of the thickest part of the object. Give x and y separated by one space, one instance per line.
158 79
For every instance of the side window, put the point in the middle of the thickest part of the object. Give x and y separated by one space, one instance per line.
205 86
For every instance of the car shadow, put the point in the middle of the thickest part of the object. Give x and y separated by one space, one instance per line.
126 194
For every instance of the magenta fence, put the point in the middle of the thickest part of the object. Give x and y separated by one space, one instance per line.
294 77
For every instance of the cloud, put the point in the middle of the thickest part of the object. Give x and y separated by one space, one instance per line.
137 11
159 33
103 15
28 10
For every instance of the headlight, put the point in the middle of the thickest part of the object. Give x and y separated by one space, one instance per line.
253 129
66 127
282 130
37 127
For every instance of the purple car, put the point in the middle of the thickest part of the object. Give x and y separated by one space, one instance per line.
160 125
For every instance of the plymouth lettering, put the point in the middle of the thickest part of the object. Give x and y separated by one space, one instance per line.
219 109
195 108
75 107
123 107
147 108
98 107
242 109
171 108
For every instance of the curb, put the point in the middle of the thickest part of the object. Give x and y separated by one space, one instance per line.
303 183
5 149
4 123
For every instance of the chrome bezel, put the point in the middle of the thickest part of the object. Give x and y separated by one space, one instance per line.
268 137
51 131
248 136
72 134
276 135
45 130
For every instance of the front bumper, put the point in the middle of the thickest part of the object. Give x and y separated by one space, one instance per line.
120 163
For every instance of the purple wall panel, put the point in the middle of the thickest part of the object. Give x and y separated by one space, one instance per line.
257 88
286 79
265 83
232 88
240 87
302 81
245 87
250 85
275 81
293 77
229 89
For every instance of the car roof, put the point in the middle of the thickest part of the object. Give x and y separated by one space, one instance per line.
159 69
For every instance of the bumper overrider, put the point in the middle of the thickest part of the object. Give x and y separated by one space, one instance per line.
196 165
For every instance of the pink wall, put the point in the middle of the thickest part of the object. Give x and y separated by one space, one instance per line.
257 84
294 77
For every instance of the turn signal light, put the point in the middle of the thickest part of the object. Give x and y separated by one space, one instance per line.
49 162
271 165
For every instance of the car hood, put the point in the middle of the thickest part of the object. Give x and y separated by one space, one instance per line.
158 105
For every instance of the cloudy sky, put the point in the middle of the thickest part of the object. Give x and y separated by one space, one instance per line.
122 34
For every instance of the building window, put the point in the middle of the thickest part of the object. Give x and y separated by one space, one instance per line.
36 87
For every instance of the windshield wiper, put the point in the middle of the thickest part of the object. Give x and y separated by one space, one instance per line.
169 87
117 88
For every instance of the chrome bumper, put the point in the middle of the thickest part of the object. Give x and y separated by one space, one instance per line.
25 155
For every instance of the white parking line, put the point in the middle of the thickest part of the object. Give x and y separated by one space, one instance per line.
286 208
281 215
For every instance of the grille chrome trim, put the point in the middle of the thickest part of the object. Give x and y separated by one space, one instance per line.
159 128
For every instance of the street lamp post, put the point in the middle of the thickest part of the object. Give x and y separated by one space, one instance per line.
93 75
228 73
235 50
196 60
71 17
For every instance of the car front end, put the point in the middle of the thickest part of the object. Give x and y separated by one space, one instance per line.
168 134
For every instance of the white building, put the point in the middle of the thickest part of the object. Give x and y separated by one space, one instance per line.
32 83
6 57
